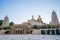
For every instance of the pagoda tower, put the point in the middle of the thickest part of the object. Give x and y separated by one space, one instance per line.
5 22
54 20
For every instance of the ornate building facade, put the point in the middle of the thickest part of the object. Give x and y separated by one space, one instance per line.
21 29
27 27
37 21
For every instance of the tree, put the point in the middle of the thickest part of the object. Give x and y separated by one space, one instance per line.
7 28
49 26
43 26
1 21
35 27
11 23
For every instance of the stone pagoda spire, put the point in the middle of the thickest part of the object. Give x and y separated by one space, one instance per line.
54 20
5 22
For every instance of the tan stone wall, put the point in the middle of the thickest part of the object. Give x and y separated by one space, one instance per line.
20 28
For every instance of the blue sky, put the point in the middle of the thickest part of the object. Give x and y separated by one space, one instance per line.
20 11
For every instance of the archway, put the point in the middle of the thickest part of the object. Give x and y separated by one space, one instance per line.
7 32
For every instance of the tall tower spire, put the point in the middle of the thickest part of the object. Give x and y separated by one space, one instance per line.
5 21
54 20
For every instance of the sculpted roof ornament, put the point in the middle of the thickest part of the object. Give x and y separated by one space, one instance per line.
53 10
39 19
32 17
6 16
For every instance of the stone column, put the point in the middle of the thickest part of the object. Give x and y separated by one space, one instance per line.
46 31
40 32
55 31
50 31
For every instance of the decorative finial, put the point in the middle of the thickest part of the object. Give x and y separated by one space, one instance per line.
32 17
6 16
53 10
39 16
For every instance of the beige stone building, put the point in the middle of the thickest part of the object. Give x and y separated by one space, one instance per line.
21 29
26 27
